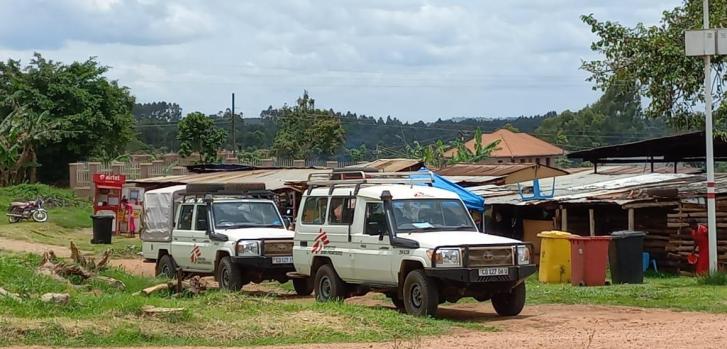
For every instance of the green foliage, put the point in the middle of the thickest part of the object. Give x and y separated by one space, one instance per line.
305 132
615 118
717 279
104 316
432 154
85 113
466 156
652 59
197 133
52 196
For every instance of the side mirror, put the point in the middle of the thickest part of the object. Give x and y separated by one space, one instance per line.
286 222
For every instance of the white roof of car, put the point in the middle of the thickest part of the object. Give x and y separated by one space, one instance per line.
398 191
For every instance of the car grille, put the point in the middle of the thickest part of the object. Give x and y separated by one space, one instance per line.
278 247
486 257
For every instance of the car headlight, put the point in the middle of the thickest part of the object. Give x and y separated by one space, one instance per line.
447 257
523 254
248 248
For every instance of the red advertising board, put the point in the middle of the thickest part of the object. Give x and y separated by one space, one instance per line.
111 181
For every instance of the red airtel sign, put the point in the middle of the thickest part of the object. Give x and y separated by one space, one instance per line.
109 180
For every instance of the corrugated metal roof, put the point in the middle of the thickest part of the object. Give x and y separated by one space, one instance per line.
578 186
393 165
499 170
274 179
472 179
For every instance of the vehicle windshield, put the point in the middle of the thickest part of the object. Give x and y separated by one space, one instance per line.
230 215
420 215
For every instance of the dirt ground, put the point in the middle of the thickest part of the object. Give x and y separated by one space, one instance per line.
539 326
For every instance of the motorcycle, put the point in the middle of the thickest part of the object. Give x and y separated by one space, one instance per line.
34 210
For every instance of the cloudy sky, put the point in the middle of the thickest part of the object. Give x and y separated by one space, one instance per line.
413 59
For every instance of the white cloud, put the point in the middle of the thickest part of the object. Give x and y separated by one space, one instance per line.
407 58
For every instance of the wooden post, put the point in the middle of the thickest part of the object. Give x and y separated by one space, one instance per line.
632 223
592 222
564 219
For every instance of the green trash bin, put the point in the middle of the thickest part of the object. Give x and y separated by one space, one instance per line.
625 256
102 228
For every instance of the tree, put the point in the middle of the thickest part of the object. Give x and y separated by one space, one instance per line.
467 156
197 133
90 114
652 59
305 132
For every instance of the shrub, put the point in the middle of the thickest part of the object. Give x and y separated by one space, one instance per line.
52 196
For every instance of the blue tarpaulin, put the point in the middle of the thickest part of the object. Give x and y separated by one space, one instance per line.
471 200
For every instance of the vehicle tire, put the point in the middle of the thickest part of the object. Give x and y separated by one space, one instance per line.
166 267
510 303
328 286
421 295
230 275
398 302
303 287
13 219
40 216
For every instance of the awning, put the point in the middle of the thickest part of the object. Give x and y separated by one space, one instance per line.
471 200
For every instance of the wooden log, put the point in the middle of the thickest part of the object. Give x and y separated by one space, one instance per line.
151 310
149 290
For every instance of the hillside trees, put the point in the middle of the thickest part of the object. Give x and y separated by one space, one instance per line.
88 114
615 118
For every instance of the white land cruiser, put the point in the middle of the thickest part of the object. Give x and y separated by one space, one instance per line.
415 243
233 232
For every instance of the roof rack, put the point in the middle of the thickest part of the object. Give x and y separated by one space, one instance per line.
242 190
358 178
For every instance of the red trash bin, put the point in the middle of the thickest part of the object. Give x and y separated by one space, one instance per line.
589 259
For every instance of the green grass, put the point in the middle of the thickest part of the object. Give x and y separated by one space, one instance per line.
102 316
68 220
676 293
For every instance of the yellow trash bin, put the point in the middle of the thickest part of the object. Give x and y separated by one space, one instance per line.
555 264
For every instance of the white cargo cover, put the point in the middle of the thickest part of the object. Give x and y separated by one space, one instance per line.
159 213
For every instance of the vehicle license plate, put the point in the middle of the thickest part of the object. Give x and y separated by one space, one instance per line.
493 271
283 260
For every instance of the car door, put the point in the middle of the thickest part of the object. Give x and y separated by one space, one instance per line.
202 255
182 243
373 254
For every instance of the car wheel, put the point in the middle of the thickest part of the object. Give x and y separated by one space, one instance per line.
229 275
421 295
328 286
303 287
510 303
166 267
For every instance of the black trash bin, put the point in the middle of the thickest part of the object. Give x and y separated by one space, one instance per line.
102 229
625 257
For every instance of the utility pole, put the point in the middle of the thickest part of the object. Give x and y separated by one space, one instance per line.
711 199
234 140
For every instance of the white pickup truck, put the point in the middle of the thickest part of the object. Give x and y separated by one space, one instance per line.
415 243
232 232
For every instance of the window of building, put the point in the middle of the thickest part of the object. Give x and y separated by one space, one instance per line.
185 217
547 161
341 210
314 210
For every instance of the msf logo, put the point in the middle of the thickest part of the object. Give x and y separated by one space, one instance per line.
196 253
320 242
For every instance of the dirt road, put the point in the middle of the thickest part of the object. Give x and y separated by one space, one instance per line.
560 326
541 326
